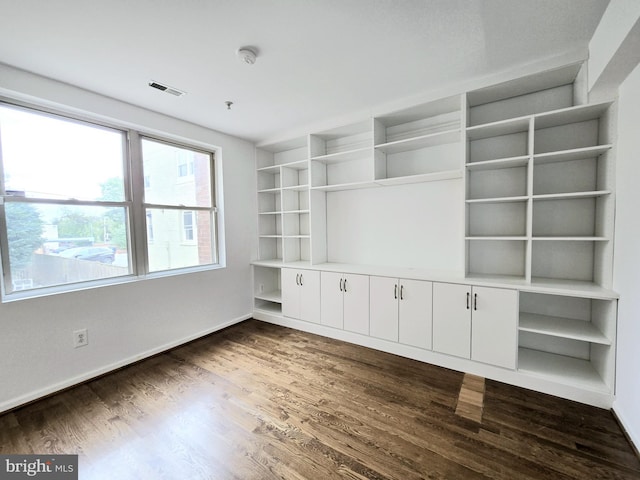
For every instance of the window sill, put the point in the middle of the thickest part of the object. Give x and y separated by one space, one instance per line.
125 279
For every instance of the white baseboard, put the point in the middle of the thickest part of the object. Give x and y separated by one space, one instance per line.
631 434
51 389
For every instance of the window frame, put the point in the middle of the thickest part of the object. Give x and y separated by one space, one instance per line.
134 203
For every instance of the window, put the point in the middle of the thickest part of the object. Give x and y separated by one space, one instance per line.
149 227
183 210
188 226
185 163
67 210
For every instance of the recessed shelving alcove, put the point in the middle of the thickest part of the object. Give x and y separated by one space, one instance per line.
508 187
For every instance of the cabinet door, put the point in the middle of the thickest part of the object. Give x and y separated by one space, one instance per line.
494 326
383 319
310 296
452 319
290 293
331 299
415 309
356 303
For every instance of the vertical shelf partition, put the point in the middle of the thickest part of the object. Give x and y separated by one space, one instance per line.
538 186
283 201
498 199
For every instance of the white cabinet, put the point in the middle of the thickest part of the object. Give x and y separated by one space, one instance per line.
301 294
479 323
345 301
452 319
401 310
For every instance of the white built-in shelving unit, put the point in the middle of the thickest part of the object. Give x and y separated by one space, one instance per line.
527 169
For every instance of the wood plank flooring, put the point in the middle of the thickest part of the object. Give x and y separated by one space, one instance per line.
258 401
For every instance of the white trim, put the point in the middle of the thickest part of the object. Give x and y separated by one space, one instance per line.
85 377
633 436
513 377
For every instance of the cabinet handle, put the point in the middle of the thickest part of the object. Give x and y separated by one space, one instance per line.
301 278
297 279
401 292
475 301
345 285
468 300
341 285
395 291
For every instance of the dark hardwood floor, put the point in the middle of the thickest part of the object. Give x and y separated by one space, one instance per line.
257 401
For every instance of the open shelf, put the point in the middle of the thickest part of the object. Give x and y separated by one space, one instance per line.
274 296
346 156
511 162
289 153
294 211
561 196
528 95
561 369
577 114
297 188
420 178
417 143
344 186
268 307
562 327
271 169
521 198
267 287
270 190
498 129
497 183
496 237
571 155
563 286
497 257
570 239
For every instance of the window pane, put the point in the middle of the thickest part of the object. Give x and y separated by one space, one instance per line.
49 157
56 245
171 246
175 175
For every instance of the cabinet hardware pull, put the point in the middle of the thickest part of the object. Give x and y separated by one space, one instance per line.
401 292
341 285
301 278
297 279
345 284
475 301
468 300
395 291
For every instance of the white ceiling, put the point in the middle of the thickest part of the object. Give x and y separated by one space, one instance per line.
318 59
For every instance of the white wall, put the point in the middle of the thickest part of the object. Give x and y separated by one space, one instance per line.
626 279
129 321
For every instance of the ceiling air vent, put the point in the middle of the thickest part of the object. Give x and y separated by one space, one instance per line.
166 89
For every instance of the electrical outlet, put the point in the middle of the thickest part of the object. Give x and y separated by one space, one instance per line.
80 338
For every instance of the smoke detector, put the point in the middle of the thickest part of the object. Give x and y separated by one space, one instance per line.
247 55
